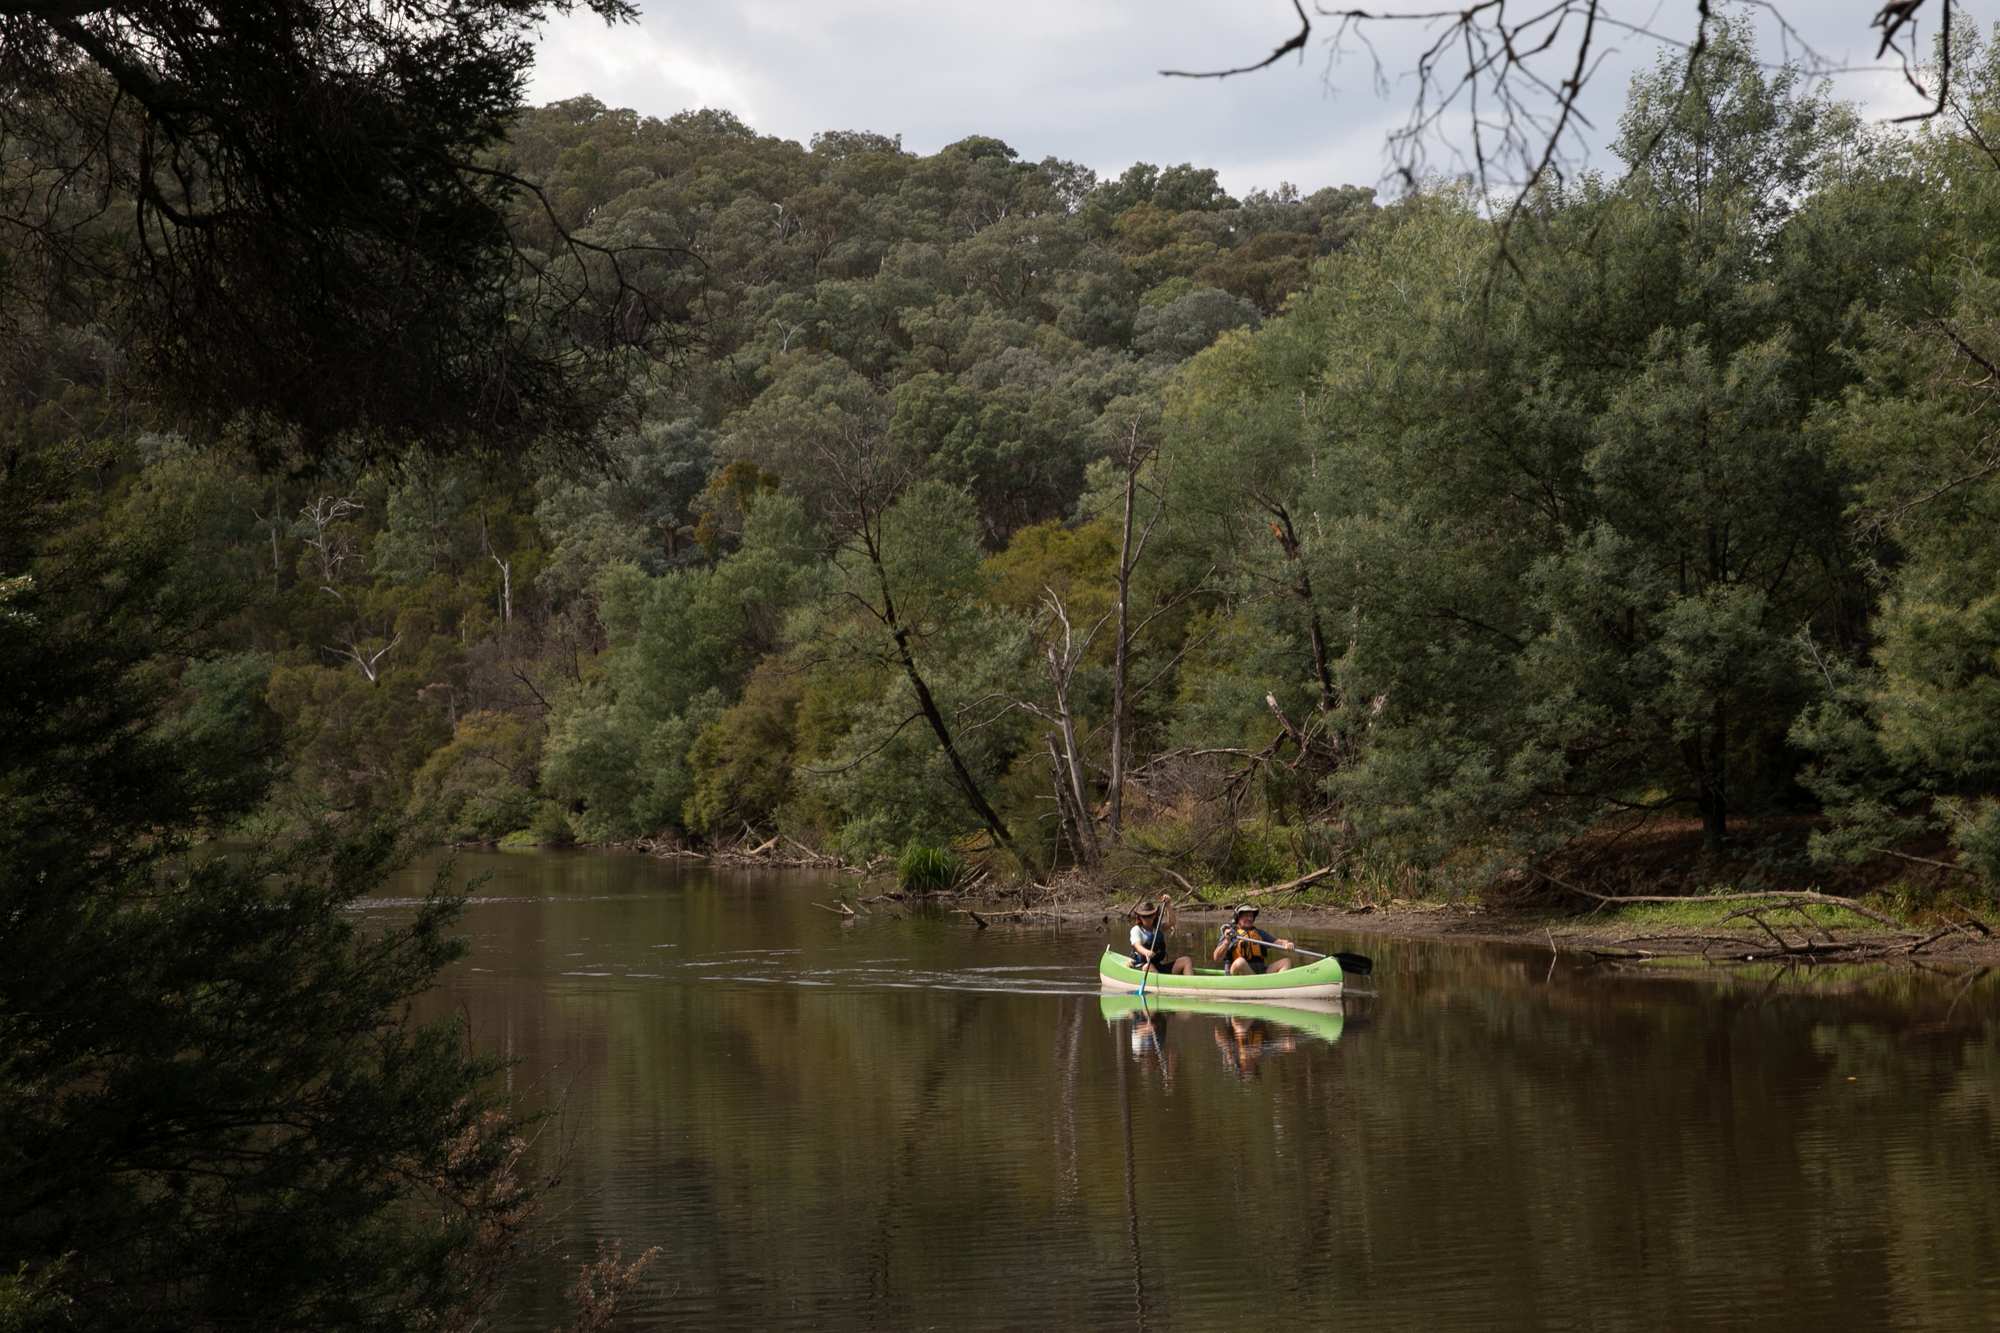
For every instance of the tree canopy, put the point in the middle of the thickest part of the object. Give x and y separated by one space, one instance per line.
298 215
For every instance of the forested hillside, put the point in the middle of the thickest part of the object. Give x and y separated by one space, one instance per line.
896 369
986 505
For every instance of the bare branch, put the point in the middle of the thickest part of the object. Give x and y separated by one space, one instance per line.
370 663
1297 42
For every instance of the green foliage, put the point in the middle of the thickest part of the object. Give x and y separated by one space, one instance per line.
355 743
1177 329
225 728
925 869
549 827
1903 743
1560 524
480 785
743 761
217 1110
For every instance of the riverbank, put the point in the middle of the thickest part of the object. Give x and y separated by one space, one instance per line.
1805 926
1640 892
1696 928
1876 913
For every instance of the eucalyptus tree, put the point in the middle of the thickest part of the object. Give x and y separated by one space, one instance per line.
683 645
826 432
1240 451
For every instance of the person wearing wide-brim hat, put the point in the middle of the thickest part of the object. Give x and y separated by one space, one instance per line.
1243 944
1151 924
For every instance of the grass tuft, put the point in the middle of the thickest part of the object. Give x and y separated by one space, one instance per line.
926 869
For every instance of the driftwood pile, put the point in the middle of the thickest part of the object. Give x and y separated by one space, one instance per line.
751 849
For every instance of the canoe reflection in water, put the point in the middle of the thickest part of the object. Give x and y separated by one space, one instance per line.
1245 1034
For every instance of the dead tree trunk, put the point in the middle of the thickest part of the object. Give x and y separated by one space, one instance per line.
506 574
1288 538
329 539
1135 452
274 525
1072 819
1063 658
1712 781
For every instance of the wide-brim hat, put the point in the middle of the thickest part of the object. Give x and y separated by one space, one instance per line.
1251 908
1146 909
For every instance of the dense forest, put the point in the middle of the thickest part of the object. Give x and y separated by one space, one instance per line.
901 403
988 506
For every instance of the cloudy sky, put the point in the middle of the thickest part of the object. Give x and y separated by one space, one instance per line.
1079 79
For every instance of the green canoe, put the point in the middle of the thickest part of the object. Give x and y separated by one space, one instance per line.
1317 981
1321 1018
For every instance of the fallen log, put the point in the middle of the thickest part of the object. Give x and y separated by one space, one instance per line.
1786 896
1932 938
1756 915
816 858
1706 941
980 918
1292 885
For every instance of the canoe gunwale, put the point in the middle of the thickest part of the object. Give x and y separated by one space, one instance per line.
1317 980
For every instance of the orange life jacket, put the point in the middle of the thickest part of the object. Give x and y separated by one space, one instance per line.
1246 945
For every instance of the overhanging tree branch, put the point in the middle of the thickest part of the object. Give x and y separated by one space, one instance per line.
1297 42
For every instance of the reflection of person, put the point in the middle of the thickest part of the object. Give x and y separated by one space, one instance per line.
1151 923
1245 1041
1243 944
1149 1034
1149 1038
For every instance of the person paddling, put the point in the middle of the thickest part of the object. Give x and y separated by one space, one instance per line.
1243 944
1150 924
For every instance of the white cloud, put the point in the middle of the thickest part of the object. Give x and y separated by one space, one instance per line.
649 67
1079 78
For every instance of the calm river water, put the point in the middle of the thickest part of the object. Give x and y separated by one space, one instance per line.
903 1122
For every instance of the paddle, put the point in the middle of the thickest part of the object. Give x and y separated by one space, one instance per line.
1159 938
1360 964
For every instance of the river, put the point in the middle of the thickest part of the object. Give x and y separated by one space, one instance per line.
902 1121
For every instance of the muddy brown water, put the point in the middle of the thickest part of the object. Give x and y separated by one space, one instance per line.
903 1122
